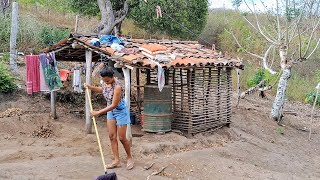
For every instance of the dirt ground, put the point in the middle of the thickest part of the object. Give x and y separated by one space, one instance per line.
33 146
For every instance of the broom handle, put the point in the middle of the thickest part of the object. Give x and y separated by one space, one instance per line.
96 129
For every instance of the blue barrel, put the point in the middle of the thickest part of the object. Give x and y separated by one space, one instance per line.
157 109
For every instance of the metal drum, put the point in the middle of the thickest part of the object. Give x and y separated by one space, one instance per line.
157 109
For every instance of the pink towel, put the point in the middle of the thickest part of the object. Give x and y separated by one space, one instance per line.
33 73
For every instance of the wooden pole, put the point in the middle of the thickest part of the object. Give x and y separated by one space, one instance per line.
238 87
189 76
88 81
13 38
138 89
313 107
53 104
76 25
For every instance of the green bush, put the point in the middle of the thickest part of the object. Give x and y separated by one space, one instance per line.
7 81
51 35
310 98
261 74
32 34
4 33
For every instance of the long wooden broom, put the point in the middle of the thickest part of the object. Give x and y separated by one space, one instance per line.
106 176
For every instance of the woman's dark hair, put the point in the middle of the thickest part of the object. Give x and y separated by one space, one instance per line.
106 72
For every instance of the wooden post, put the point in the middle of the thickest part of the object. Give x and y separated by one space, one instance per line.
76 25
238 87
138 89
148 77
13 38
53 104
88 81
189 76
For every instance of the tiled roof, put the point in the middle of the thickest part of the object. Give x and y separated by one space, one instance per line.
141 53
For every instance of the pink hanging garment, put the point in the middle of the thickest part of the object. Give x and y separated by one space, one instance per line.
33 73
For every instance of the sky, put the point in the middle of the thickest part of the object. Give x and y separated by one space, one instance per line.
228 4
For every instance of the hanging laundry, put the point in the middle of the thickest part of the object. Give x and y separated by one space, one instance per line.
161 76
77 85
126 73
33 73
110 39
158 11
43 84
50 69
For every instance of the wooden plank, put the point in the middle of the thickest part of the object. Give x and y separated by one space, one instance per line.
88 55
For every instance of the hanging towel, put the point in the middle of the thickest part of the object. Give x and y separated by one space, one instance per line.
77 86
50 69
126 73
43 85
161 77
33 73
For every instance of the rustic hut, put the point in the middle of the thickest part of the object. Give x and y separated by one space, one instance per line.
198 79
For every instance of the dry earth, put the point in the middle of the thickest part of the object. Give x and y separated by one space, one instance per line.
32 146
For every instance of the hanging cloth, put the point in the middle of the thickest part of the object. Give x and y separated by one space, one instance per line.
50 69
126 73
158 11
43 84
33 73
77 86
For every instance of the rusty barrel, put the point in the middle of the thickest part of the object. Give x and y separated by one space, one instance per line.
157 109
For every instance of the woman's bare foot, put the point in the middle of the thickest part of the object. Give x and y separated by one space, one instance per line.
130 163
114 164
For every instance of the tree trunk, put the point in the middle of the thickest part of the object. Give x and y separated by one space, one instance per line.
108 18
278 103
277 106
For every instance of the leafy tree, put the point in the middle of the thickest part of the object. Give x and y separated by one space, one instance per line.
178 17
181 18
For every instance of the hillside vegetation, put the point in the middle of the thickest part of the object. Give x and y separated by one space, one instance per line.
42 24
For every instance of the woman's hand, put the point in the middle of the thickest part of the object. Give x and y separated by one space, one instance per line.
95 113
86 86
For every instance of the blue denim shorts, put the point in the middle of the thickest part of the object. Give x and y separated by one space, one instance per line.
120 114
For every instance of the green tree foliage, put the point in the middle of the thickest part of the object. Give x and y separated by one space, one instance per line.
85 7
179 16
7 83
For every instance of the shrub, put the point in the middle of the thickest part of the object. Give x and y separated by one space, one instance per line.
260 75
7 81
310 98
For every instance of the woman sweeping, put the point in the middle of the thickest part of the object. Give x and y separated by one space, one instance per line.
117 115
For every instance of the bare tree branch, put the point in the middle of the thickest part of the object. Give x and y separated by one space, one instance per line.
278 21
258 24
252 54
310 38
125 9
264 60
314 50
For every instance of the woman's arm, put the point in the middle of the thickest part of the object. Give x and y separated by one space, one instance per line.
93 88
115 101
